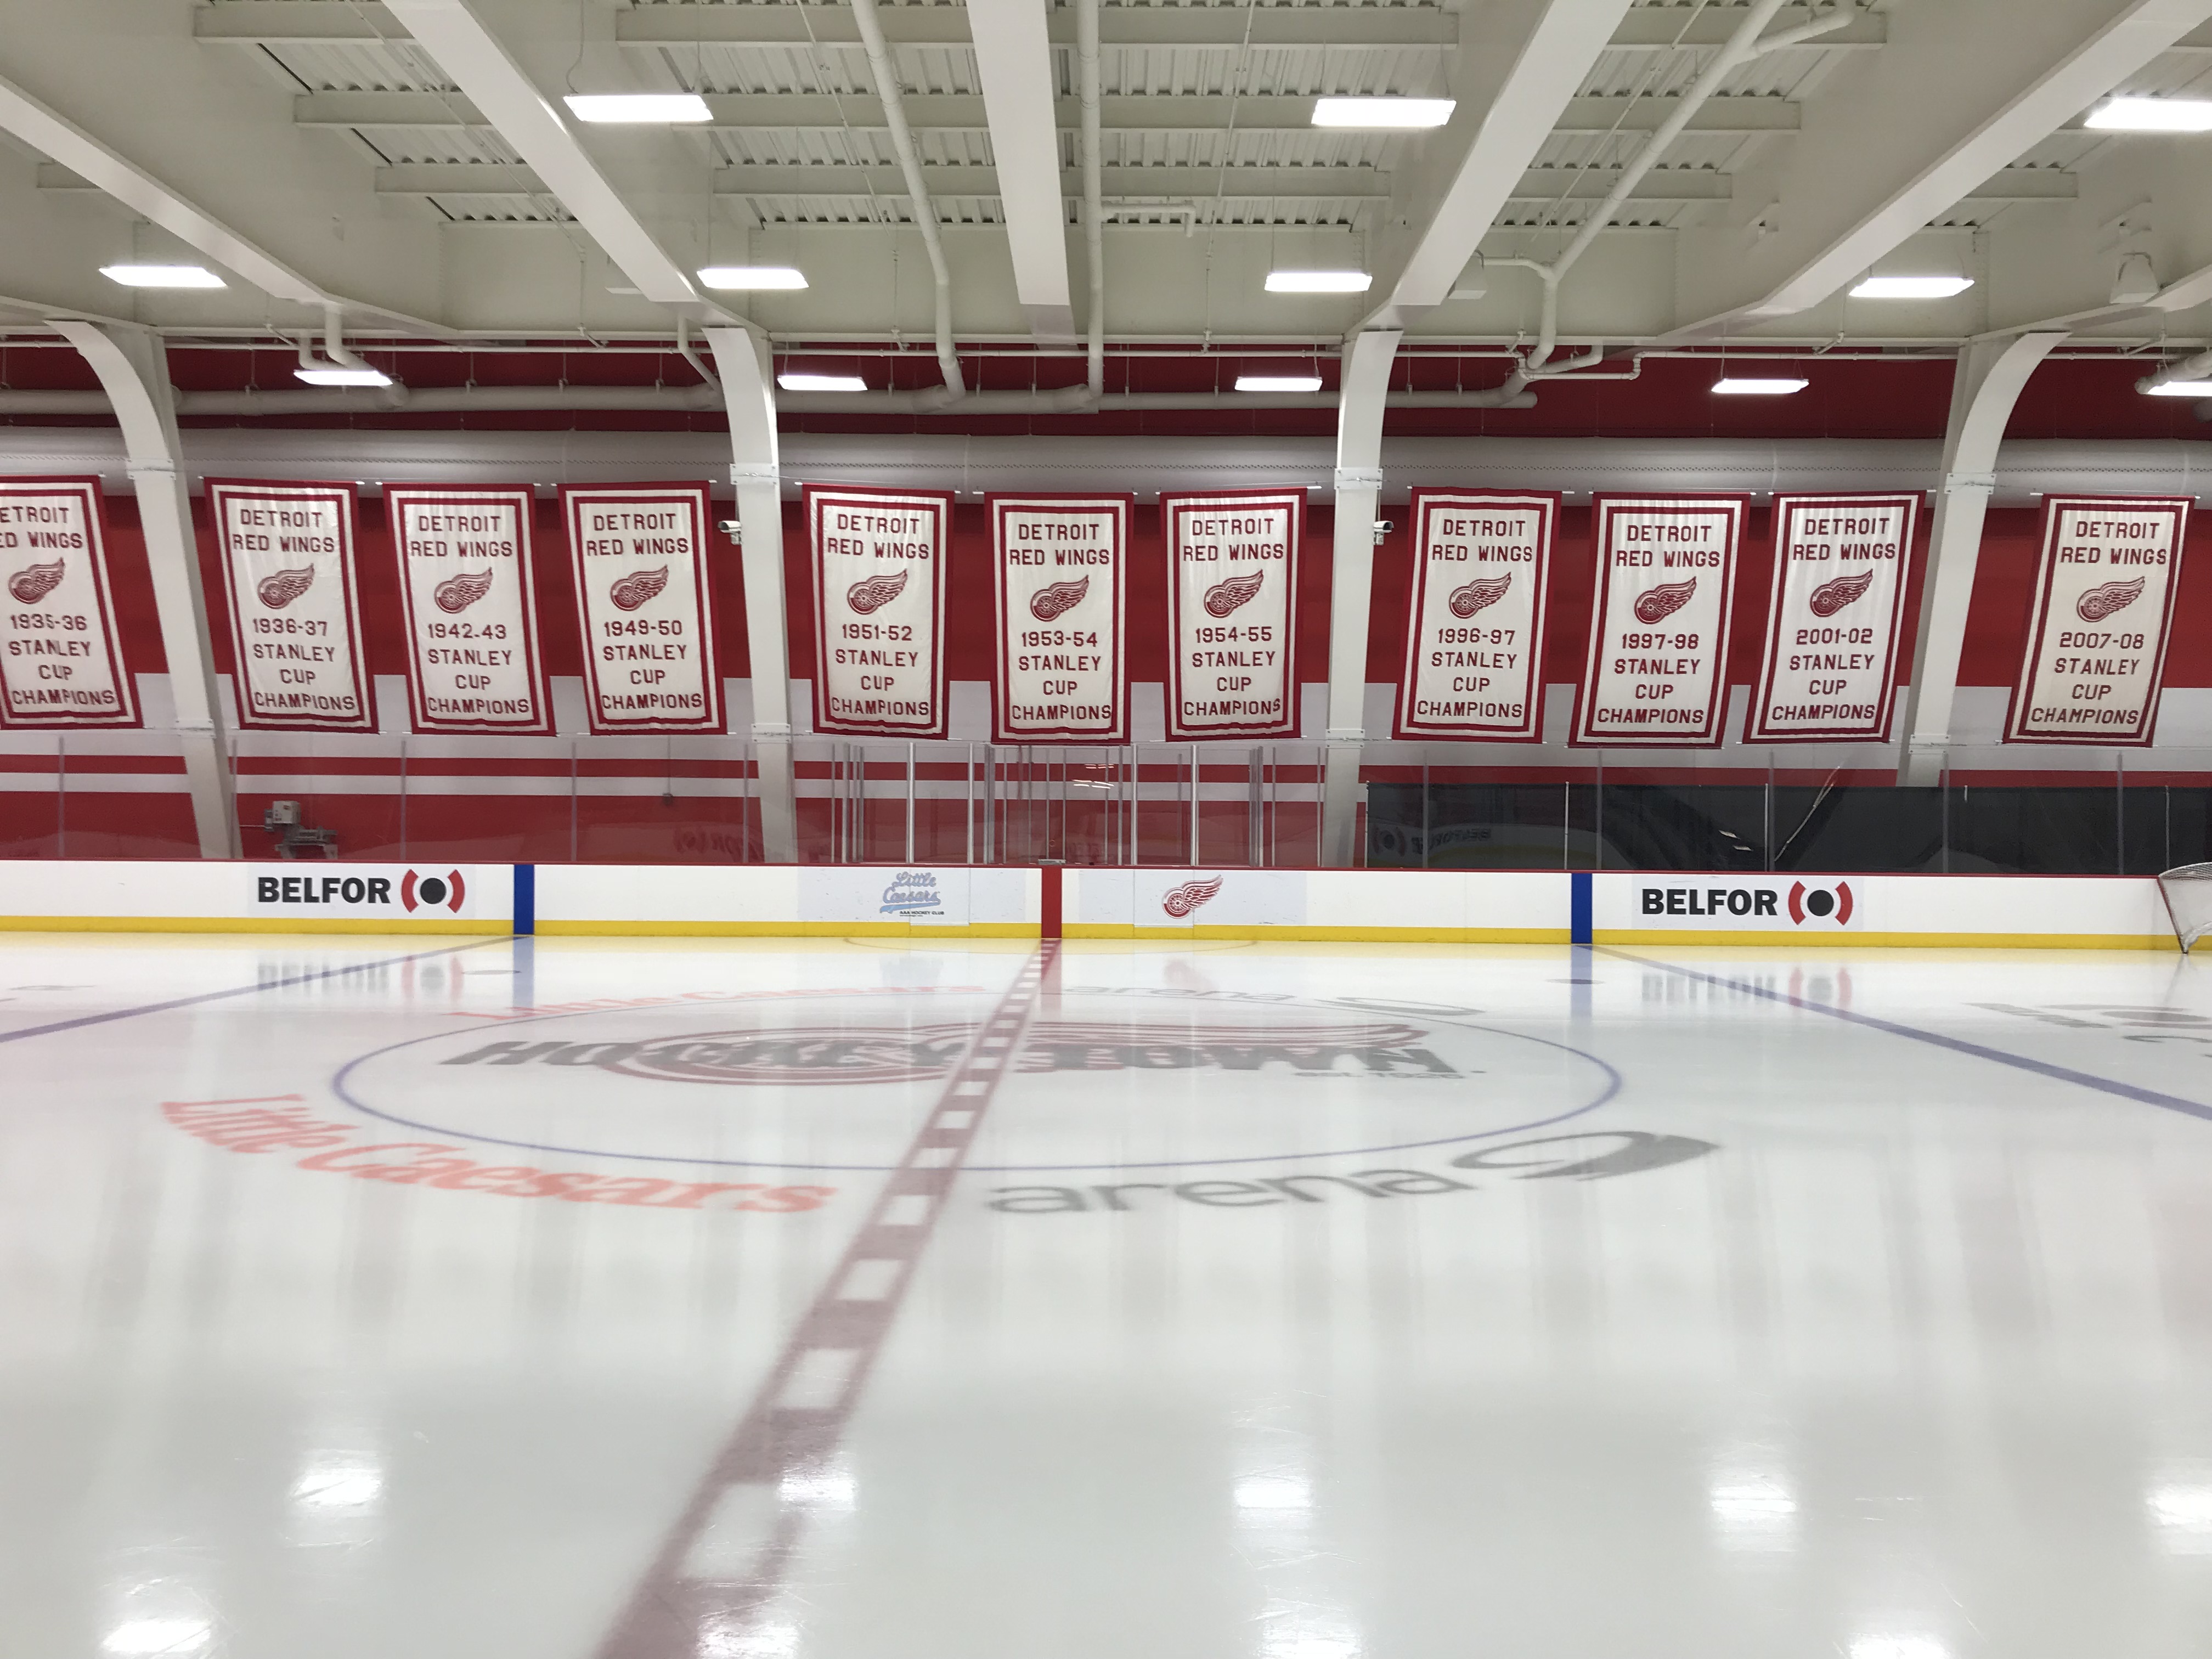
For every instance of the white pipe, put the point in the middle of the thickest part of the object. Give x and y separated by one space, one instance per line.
683 350
925 216
334 339
1094 195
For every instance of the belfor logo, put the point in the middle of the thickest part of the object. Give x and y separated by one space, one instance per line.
1820 903
447 889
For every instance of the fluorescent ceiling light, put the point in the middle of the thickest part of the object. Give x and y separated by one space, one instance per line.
161 276
1740 385
644 108
729 276
1318 282
2152 115
2180 389
1911 287
1278 382
339 374
1383 113
822 383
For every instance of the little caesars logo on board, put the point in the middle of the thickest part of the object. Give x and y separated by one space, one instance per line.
1233 582
288 561
58 661
640 585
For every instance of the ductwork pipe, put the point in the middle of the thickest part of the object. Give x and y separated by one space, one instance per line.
888 92
1094 194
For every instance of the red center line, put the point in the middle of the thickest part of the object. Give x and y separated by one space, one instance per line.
723 1562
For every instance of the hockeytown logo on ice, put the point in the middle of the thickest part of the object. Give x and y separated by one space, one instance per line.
849 1054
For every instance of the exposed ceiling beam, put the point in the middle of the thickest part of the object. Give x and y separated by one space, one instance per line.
94 165
1711 25
1984 80
771 179
1522 70
457 39
1013 62
963 112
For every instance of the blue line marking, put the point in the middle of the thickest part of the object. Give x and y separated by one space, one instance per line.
525 899
1579 908
1957 1045
82 1020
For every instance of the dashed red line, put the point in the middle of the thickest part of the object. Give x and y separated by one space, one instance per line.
727 1555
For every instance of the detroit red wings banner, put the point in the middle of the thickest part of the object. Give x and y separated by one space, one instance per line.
880 611
1061 563
60 663
2104 608
468 593
1481 560
640 556
1232 593
288 565
1829 673
1658 647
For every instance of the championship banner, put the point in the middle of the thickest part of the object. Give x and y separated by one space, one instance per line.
1829 674
1659 634
295 622
60 660
1062 585
1481 561
879 609
640 556
466 590
2104 608
1232 590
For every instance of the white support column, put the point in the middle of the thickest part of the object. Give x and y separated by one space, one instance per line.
748 389
1989 379
1358 485
133 370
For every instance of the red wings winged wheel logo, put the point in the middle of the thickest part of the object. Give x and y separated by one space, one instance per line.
1480 595
280 590
1830 596
1058 598
1226 596
1182 901
34 582
457 593
2101 602
635 589
873 595
1663 601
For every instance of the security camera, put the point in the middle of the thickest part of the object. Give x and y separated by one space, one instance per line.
732 528
1382 528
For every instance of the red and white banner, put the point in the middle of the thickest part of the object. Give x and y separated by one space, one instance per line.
1830 670
640 556
1659 635
1481 563
879 615
288 563
61 661
2104 608
1062 585
467 589
1232 600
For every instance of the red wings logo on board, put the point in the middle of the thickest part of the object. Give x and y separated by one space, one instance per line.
457 593
34 583
1224 597
633 591
1480 595
2101 602
1665 600
1830 596
1182 901
280 590
1058 598
873 594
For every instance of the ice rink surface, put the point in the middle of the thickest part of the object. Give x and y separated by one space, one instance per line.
814 1300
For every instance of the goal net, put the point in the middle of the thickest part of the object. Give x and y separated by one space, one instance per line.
2188 892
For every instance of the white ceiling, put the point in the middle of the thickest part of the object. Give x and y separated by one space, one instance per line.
317 132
